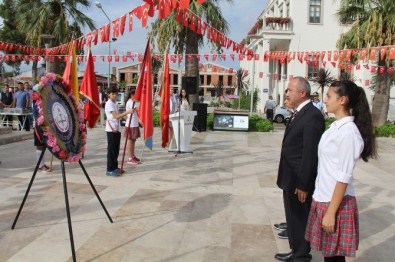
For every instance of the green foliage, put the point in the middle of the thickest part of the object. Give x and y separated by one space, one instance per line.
264 125
252 121
245 101
386 130
257 123
210 121
329 121
156 118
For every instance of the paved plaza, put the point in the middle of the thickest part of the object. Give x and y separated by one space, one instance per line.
217 204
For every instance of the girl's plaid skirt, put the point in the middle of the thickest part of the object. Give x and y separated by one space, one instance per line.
344 241
134 132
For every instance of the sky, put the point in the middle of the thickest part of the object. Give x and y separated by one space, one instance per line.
240 16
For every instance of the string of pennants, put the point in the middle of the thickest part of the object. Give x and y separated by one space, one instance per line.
165 7
340 59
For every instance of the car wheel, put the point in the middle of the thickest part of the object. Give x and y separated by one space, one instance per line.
279 119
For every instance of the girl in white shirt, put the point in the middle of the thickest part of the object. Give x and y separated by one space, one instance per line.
132 130
184 101
333 225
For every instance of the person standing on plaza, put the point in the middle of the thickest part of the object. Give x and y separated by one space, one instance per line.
21 100
184 101
29 90
113 133
132 128
317 103
7 100
270 105
298 166
103 99
333 226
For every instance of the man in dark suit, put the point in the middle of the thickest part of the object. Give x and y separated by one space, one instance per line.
6 102
298 166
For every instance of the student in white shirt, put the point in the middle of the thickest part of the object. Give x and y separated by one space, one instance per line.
112 129
132 129
333 224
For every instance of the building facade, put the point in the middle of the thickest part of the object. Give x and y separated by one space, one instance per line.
295 27
210 75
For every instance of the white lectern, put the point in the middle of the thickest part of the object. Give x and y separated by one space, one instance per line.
182 127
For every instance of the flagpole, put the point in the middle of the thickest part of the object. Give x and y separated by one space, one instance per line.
126 141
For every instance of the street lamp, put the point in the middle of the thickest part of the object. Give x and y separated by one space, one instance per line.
98 4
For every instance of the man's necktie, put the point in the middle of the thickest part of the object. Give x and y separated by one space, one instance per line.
294 115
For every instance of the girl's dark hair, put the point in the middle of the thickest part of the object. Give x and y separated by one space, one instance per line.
130 92
186 95
112 89
359 108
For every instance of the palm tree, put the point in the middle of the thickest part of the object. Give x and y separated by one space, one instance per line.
372 24
324 78
241 82
37 18
168 30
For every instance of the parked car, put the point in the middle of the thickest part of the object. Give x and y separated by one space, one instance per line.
281 114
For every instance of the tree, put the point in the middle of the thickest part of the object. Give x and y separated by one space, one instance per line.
61 19
9 32
241 82
168 30
372 25
324 78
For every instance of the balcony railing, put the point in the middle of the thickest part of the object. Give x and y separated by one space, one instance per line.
277 23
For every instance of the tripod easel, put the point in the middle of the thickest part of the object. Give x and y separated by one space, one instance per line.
65 196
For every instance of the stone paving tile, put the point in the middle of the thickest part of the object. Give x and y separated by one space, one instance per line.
217 204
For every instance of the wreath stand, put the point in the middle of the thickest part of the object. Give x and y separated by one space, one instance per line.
65 197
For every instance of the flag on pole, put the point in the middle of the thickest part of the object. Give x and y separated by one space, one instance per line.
144 95
165 106
70 75
90 91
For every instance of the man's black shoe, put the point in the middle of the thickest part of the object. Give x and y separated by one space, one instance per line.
283 234
281 226
284 256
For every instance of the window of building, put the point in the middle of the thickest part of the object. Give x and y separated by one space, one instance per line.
230 80
208 80
221 79
175 79
122 77
201 77
315 11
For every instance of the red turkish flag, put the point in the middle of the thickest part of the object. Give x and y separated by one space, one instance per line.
358 66
363 54
164 8
392 53
115 28
349 67
324 63
341 55
142 13
122 22
373 69
184 4
373 53
151 9
333 64
105 33
367 82
366 66
214 57
335 55
329 55
232 56
165 105
90 91
348 55
144 95
260 74
390 70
